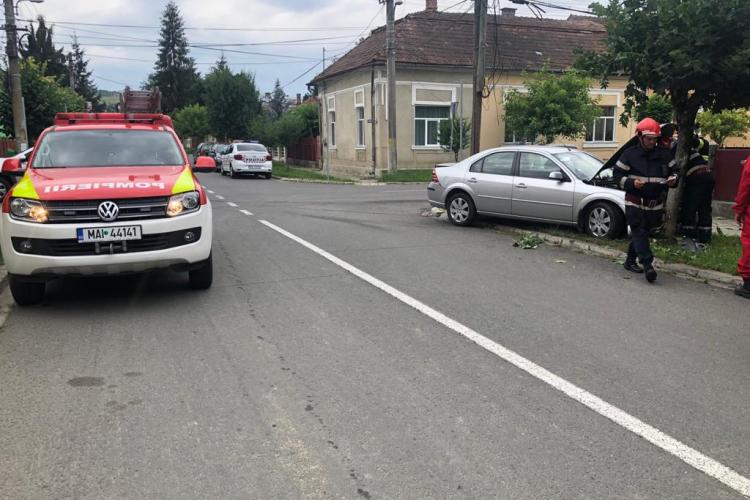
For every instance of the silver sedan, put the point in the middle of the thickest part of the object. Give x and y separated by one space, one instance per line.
559 185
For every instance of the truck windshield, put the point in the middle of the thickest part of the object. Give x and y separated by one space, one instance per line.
107 148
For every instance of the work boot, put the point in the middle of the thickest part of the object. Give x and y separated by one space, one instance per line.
744 289
632 267
651 274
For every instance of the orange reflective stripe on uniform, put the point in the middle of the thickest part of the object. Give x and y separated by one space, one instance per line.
184 182
25 188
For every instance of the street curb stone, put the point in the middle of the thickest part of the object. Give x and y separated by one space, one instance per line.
714 278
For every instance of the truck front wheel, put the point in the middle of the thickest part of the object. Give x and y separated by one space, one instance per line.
26 293
202 277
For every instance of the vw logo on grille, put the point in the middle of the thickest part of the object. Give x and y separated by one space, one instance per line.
108 211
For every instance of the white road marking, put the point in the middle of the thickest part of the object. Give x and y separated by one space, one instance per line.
210 191
246 212
219 196
232 204
651 434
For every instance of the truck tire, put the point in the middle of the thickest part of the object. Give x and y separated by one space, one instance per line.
26 293
202 277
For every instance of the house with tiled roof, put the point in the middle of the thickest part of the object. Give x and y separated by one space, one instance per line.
434 52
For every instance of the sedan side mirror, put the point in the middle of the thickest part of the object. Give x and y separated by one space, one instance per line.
12 166
557 176
204 164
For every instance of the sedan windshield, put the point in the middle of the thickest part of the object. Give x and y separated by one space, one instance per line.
107 148
583 165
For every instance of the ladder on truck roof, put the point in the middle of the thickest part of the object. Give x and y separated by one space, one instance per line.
140 101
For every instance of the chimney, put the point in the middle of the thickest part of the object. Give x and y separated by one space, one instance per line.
299 99
508 11
431 6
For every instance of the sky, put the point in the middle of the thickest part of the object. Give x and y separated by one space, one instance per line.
272 39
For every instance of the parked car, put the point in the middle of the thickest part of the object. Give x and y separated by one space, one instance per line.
246 158
8 181
217 152
560 185
202 149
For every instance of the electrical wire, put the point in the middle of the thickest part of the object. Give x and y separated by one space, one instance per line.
134 26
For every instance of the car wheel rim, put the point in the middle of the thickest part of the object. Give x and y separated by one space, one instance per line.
600 222
459 210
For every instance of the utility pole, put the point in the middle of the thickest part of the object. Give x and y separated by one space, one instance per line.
19 113
480 34
324 58
390 36
71 72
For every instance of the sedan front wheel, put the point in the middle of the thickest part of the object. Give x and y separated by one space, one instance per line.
461 210
603 220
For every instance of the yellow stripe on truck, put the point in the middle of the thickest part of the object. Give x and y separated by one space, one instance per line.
184 182
25 188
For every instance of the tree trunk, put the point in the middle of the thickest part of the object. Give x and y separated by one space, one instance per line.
686 121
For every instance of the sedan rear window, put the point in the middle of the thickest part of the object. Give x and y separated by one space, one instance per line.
107 148
251 147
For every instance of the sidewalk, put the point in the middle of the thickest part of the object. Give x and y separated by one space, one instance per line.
728 227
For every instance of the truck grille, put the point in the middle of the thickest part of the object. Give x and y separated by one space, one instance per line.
71 247
62 212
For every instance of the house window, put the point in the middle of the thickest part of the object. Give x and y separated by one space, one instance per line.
603 128
360 126
332 125
427 123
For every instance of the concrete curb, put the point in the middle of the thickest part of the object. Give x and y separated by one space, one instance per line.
348 183
3 278
714 278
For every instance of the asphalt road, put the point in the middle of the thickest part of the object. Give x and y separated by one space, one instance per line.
293 377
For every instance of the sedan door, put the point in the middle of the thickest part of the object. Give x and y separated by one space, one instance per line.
537 196
491 178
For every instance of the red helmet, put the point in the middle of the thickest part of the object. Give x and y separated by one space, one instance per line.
648 127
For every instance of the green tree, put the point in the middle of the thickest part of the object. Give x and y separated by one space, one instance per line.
174 70
279 100
40 47
192 121
658 107
694 51
262 128
727 123
554 105
82 77
43 97
450 135
232 101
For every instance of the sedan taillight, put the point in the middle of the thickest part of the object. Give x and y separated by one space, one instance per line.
434 176
269 157
237 157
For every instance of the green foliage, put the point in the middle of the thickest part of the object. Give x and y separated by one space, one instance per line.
300 122
39 46
83 84
554 105
43 97
232 101
192 121
278 102
528 241
728 123
450 135
416 175
174 71
721 255
262 128
657 107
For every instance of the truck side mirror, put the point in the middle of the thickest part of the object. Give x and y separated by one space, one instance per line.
12 166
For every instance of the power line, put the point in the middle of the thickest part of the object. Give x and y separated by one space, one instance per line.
108 80
303 74
134 26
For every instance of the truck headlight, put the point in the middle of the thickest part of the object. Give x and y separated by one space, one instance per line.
183 203
28 210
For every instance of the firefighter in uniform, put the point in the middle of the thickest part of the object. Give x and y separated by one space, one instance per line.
741 209
644 171
699 187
